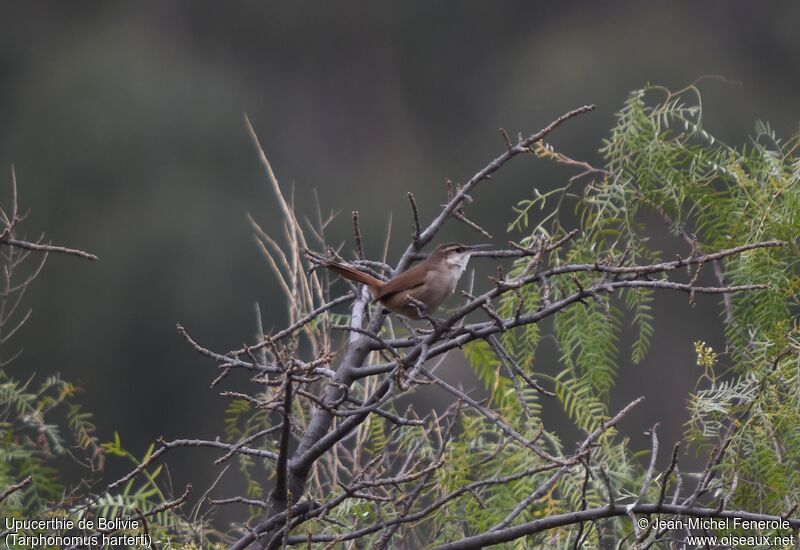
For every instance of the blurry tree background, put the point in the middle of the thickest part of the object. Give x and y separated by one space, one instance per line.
125 126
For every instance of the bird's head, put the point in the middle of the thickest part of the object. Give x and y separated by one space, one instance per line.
456 254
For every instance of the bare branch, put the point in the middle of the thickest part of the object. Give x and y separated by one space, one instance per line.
359 240
15 487
542 489
522 146
47 248
280 492
415 214
594 514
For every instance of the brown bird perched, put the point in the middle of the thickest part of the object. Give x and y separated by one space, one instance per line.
430 282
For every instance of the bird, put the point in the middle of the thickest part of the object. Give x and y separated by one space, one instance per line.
424 286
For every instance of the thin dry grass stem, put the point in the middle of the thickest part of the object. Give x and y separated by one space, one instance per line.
296 237
281 281
276 249
387 240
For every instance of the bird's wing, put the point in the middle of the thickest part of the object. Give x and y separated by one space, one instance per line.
411 278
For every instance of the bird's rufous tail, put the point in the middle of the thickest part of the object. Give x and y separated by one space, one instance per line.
352 274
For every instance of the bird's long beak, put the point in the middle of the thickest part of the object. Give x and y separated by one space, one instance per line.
472 249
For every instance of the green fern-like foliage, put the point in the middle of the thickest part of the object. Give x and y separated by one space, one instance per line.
661 164
242 421
725 197
32 443
146 495
43 428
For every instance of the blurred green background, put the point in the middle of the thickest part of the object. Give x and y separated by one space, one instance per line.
124 122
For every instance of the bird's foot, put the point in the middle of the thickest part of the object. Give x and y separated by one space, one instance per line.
437 324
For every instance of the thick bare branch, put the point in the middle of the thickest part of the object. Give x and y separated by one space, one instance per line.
593 514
